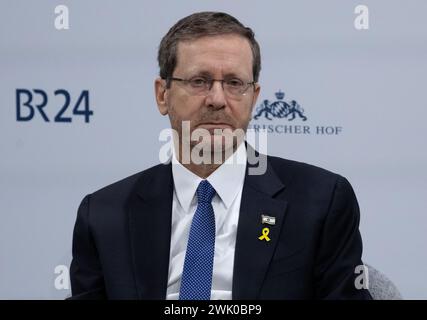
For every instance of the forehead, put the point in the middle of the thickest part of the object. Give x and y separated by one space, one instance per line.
217 55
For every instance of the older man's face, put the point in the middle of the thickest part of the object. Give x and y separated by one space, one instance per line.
216 57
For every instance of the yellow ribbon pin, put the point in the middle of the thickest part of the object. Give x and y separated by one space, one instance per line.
265 233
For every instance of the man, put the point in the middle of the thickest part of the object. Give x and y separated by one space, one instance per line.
210 229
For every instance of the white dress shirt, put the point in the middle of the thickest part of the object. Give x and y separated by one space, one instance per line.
227 181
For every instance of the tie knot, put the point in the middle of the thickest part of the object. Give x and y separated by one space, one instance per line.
205 192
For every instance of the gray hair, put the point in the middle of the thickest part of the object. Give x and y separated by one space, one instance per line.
199 25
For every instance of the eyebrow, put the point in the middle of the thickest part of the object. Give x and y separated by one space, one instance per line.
207 74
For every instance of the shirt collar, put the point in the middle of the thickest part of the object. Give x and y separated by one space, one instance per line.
227 179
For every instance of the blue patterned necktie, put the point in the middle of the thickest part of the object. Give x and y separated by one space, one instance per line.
196 281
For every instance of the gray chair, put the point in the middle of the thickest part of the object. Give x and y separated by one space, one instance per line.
381 287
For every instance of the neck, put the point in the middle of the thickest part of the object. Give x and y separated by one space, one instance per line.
204 170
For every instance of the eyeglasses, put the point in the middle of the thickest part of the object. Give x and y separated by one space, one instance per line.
200 86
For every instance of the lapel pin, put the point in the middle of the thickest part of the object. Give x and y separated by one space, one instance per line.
268 220
265 232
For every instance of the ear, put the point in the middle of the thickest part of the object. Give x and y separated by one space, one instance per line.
161 95
255 96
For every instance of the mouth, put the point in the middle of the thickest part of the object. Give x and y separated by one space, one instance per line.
215 125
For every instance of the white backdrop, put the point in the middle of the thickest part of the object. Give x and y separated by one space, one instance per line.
370 84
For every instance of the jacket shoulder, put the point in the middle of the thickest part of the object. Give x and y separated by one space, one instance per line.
122 188
300 171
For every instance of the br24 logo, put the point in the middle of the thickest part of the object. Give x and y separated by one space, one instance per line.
29 102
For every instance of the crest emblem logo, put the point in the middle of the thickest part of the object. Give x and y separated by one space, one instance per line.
280 108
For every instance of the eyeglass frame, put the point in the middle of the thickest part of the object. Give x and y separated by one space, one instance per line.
211 81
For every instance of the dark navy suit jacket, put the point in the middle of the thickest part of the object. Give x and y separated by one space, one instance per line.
122 237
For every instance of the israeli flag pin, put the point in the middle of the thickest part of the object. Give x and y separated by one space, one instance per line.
268 220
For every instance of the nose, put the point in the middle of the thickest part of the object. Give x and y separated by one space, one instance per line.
216 95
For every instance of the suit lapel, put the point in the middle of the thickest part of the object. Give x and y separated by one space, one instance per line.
150 209
252 255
